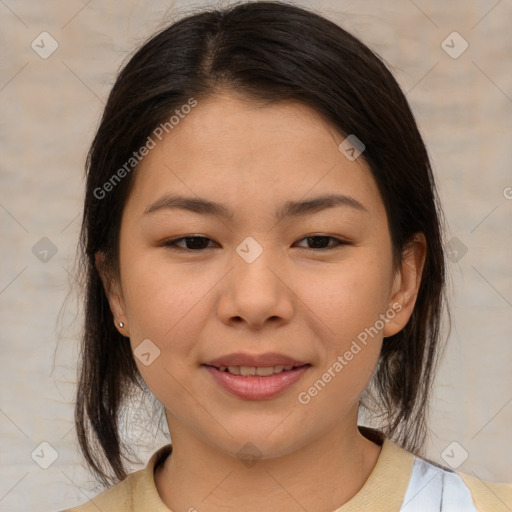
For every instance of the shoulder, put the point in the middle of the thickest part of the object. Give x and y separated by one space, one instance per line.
117 498
432 485
489 496
134 493
417 484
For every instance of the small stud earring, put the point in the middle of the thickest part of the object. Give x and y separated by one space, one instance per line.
121 324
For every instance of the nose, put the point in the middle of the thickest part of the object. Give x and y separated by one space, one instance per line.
256 293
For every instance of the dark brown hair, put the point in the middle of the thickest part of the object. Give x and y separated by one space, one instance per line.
265 51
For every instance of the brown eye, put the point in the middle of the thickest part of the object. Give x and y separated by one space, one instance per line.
322 242
192 243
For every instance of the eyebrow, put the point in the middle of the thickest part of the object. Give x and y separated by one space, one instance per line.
289 209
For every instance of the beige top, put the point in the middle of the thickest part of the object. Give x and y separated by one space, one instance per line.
400 481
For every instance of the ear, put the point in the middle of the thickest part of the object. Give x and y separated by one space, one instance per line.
406 284
114 294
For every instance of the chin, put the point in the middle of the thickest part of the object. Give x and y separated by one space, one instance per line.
254 444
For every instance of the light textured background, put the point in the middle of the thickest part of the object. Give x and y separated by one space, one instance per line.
49 111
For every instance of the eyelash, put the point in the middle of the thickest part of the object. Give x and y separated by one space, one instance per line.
173 243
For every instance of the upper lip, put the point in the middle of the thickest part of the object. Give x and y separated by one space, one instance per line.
267 359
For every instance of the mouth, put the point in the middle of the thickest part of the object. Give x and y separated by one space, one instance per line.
256 377
261 371
246 360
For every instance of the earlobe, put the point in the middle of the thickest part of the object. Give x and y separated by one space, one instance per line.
114 294
406 284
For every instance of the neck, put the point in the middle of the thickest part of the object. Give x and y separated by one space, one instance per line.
320 476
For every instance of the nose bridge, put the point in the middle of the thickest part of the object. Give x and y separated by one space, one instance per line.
256 265
256 289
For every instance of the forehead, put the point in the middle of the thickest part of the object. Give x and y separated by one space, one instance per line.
239 151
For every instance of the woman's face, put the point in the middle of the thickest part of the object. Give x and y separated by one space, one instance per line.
282 277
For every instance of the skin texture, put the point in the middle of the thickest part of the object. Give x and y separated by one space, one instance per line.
303 302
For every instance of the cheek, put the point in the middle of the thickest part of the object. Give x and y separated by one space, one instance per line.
169 309
164 305
348 298
349 305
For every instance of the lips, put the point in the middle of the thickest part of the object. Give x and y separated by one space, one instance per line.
256 377
262 371
255 360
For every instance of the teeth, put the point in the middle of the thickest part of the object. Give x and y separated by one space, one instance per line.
262 371
235 370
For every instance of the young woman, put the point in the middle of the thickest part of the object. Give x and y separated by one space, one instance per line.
262 252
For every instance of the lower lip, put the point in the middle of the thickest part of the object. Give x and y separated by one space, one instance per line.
255 387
